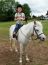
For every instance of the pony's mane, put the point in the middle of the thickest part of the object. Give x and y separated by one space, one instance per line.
39 24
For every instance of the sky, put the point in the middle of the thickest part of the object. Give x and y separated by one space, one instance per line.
38 7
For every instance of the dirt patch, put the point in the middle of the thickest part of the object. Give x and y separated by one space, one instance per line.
37 51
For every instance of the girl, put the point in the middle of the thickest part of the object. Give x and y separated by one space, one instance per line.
19 17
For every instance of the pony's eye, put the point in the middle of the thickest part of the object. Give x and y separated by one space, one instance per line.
37 30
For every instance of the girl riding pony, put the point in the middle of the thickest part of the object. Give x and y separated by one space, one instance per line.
19 17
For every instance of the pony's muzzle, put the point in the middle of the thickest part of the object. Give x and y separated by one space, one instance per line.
43 38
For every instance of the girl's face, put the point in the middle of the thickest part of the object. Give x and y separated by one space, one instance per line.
19 9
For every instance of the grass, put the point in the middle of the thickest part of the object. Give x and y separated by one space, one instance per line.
4 28
45 26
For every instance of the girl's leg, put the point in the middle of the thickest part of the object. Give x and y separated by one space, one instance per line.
15 31
18 26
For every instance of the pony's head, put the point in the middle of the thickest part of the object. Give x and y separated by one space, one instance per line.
38 28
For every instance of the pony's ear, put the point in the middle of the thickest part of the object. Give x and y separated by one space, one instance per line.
34 22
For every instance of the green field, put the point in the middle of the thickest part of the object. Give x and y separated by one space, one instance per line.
4 28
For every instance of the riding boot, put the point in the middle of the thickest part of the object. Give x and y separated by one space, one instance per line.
15 35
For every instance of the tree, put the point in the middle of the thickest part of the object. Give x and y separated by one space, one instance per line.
7 9
27 11
47 13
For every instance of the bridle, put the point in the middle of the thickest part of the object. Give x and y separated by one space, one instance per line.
38 36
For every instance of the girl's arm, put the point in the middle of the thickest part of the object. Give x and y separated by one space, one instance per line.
19 17
16 17
22 17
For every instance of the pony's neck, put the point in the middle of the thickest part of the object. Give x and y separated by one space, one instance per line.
29 28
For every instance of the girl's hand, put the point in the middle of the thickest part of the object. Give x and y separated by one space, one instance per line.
17 18
21 18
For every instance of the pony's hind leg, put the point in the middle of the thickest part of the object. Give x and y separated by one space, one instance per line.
16 50
27 58
14 45
11 45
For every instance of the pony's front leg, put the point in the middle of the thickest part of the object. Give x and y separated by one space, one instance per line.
21 52
26 55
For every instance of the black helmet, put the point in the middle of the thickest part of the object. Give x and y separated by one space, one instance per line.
19 6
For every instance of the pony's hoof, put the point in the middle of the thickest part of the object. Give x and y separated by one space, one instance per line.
20 61
16 50
27 59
